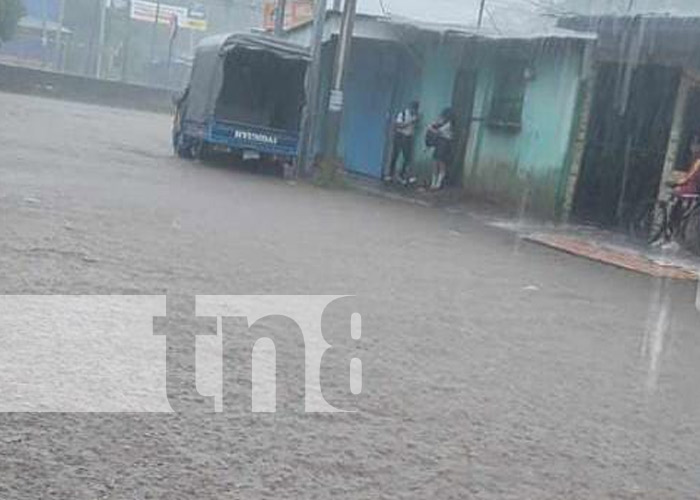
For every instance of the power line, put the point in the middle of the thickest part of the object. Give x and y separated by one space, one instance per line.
481 13
493 21
544 6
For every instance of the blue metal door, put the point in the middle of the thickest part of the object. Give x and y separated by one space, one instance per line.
367 112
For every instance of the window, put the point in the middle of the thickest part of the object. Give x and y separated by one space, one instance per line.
508 96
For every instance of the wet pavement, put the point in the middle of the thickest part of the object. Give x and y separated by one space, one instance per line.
493 368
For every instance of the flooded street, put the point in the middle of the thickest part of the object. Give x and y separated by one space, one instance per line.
492 368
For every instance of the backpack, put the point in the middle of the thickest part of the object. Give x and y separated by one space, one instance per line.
431 138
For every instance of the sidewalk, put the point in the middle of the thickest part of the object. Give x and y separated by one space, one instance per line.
407 194
608 247
674 264
600 245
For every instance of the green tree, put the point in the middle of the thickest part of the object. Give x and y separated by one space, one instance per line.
10 13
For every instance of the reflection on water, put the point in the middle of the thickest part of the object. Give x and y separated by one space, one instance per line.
656 330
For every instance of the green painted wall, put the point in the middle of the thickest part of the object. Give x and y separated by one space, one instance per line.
528 167
525 168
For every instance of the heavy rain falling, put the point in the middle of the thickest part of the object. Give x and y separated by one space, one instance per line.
350 249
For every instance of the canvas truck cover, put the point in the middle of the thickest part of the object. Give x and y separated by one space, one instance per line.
208 69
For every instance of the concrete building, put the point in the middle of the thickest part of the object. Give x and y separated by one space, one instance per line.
516 93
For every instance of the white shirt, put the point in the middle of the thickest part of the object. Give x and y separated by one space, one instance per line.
406 122
445 131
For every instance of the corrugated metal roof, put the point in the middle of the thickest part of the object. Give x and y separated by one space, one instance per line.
508 12
451 11
526 28
675 8
534 28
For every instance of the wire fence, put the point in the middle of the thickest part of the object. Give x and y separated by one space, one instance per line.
120 40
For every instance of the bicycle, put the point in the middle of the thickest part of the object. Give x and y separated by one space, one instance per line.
666 220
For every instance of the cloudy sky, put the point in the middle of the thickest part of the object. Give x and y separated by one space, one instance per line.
466 11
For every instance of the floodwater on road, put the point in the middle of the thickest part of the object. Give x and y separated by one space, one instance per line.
492 369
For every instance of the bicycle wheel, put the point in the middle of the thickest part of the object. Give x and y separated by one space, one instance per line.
690 230
651 221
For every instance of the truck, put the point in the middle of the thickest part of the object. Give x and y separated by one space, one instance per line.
245 98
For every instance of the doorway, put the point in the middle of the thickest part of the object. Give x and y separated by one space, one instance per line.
369 91
627 142
463 106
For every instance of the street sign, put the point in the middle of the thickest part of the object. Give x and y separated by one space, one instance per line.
296 13
193 18
197 17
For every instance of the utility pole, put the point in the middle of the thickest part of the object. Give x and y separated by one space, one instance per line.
126 44
58 50
101 37
310 121
44 31
481 14
280 13
174 30
154 34
342 57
